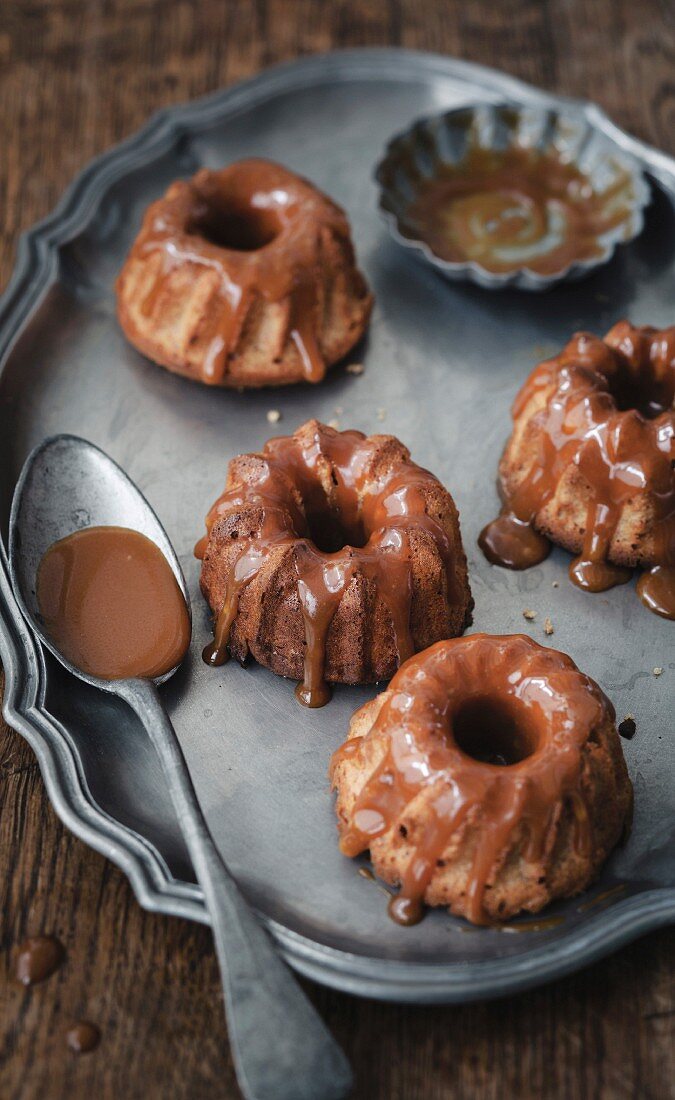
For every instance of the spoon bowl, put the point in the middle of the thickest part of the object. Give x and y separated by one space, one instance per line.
67 484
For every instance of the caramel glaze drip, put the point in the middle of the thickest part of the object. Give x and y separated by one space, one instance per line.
369 519
259 228
554 709
111 604
514 208
38 958
606 407
83 1037
656 589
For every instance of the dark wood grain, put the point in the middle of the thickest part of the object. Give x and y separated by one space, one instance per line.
75 77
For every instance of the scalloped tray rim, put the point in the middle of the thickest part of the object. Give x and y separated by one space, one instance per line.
25 673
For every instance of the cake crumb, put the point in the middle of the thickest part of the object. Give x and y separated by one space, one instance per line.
529 615
381 414
548 626
334 423
658 671
273 416
355 368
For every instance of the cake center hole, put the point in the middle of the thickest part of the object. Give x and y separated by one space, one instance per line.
486 730
330 534
648 395
239 227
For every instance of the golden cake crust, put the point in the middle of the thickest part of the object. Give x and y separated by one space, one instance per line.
244 277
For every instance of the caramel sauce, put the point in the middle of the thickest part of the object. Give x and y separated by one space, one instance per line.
546 924
513 542
500 697
405 910
597 576
542 924
513 208
259 228
83 1037
38 958
627 728
365 872
656 589
605 407
111 604
604 899
368 520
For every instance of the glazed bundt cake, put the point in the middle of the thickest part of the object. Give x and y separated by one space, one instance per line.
488 778
332 557
590 464
244 277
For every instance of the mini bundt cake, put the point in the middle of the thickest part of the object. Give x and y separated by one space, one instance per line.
244 277
590 464
332 557
488 778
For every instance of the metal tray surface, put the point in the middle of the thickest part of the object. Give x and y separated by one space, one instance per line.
442 365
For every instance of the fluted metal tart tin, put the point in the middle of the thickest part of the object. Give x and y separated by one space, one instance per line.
575 138
442 364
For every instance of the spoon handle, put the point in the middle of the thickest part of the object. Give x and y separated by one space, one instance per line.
282 1049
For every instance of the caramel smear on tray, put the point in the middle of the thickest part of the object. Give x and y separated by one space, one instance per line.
111 604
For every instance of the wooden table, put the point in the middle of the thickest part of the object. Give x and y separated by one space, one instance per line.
76 76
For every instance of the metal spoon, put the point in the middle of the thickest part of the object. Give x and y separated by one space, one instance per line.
282 1049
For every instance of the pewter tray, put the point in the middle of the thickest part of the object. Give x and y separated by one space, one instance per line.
443 363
